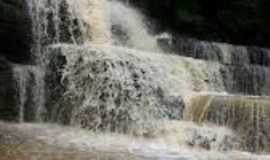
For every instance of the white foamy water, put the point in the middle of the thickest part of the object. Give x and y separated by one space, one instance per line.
157 147
116 87
94 15
132 23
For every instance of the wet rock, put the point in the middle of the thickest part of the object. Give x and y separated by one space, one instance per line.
63 29
246 79
137 101
55 87
115 94
247 116
20 94
208 139
259 56
8 99
29 92
224 53
120 35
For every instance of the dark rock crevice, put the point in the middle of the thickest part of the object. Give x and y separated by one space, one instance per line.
7 92
15 31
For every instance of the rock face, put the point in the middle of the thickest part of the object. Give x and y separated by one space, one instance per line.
23 43
248 116
15 30
223 53
233 60
15 40
20 94
106 91
246 79
55 89
8 111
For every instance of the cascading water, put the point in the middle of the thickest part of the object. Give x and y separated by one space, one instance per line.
96 66
128 28
243 114
30 85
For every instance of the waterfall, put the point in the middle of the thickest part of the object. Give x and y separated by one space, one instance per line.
55 22
243 114
30 86
129 28
97 65
86 27
21 79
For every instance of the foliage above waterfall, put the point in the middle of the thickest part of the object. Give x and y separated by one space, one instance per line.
236 21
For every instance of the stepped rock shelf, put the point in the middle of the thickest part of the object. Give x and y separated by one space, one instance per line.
247 115
132 76
88 70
